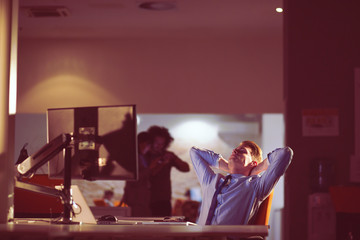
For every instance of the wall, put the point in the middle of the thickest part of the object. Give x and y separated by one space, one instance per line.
6 174
321 51
182 75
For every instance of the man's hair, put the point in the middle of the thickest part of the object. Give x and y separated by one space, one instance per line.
157 131
144 137
256 151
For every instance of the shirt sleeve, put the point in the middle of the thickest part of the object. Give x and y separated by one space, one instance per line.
279 160
202 161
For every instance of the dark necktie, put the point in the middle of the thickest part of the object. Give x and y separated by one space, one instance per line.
214 200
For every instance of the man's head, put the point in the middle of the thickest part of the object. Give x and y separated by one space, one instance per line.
256 151
160 137
108 194
245 157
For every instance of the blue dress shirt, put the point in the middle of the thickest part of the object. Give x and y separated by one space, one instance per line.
239 200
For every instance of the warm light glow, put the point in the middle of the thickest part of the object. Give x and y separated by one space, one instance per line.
196 130
64 91
13 86
279 10
138 120
13 58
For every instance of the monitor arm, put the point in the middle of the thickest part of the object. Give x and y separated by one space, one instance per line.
29 166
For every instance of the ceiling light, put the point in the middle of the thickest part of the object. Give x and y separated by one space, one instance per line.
46 11
195 130
157 5
279 10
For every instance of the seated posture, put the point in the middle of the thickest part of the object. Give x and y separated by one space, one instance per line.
250 181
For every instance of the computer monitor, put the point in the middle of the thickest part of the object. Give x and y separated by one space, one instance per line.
104 144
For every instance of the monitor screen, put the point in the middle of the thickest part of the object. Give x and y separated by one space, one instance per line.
103 146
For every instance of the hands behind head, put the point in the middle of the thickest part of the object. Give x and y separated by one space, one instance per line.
260 167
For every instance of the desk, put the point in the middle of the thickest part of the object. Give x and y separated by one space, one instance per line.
42 231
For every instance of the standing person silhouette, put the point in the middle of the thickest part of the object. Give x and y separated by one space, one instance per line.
137 193
161 162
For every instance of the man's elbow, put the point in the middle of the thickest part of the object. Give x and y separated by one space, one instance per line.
192 152
192 149
287 153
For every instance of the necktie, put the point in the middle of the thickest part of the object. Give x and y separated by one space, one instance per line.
214 200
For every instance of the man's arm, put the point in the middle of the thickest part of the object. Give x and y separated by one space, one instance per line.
223 164
202 160
278 161
260 167
177 162
156 165
166 159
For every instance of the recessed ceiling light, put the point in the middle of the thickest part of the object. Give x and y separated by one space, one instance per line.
157 5
279 10
46 11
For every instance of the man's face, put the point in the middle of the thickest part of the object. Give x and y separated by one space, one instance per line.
158 145
144 147
240 158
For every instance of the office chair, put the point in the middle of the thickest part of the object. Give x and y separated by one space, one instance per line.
99 203
262 216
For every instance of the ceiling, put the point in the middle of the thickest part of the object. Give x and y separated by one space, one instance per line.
124 18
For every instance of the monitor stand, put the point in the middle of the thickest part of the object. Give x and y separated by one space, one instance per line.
65 192
67 199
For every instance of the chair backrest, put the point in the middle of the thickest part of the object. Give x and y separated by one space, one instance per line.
263 214
99 202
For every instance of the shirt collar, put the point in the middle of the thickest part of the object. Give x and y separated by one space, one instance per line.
238 175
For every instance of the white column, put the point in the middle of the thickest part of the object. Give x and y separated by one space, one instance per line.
6 172
355 159
273 136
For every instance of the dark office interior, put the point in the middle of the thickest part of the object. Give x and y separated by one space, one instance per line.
235 57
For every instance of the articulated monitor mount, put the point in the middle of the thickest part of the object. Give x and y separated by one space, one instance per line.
28 167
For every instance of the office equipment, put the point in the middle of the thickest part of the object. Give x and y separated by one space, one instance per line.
82 212
96 131
29 166
116 211
107 218
104 146
345 199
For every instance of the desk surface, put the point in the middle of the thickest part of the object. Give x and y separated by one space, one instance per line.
52 231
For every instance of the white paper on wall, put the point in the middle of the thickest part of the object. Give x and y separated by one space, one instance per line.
320 122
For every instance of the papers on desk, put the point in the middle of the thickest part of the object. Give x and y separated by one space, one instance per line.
149 221
170 223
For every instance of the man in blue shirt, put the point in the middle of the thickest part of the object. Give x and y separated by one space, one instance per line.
252 180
